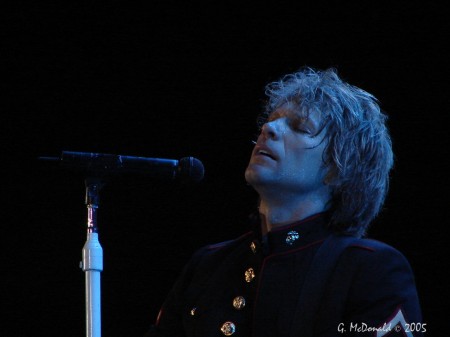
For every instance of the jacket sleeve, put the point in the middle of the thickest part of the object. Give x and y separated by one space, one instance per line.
383 300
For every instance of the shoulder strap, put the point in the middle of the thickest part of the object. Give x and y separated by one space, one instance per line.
312 291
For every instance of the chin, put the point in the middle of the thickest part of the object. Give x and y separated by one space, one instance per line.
250 175
253 176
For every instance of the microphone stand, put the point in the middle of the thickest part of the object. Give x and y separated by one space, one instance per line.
92 252
92 262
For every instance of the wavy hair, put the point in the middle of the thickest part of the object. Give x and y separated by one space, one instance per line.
358 154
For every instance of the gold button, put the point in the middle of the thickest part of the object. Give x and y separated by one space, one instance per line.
239 302
249 275
193 311
228 328
253 247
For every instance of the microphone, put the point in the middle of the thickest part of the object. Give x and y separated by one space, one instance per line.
103 164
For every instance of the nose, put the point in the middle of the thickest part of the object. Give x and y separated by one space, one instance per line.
272 129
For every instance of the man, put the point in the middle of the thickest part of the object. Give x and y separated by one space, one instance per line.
321 168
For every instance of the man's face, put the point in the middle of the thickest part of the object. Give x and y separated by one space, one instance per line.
288 154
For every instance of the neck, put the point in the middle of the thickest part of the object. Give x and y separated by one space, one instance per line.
275 214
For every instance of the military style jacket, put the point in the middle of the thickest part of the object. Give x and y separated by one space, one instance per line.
251 286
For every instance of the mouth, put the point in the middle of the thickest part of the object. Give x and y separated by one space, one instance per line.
265 153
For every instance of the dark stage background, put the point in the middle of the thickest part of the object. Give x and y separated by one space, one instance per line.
174 79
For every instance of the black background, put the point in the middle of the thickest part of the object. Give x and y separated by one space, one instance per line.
174 79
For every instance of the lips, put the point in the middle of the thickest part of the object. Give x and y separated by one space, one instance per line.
262 150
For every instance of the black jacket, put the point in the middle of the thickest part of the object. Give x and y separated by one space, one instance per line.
250 286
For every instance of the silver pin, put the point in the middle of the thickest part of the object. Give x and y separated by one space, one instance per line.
291 237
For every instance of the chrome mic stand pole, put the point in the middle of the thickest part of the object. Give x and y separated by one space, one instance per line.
92 263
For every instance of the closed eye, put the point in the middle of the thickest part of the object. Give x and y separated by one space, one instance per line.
298 125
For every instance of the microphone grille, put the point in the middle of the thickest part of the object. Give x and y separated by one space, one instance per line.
191 169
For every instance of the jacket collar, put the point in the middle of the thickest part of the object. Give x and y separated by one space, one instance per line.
297 234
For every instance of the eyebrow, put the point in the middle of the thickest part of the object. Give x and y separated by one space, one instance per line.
277 113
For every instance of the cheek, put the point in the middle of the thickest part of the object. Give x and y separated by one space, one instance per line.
309 162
